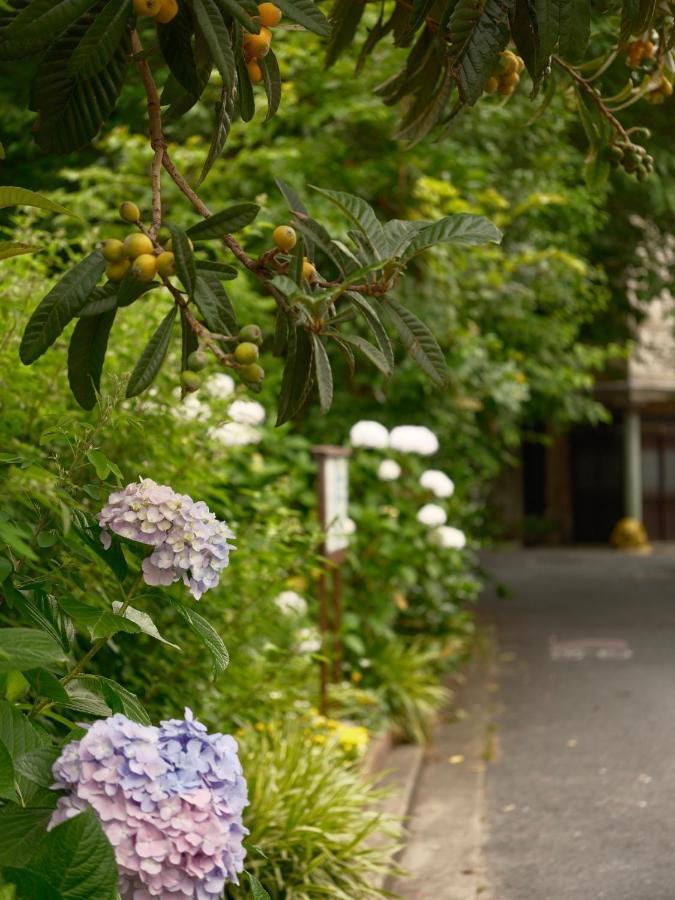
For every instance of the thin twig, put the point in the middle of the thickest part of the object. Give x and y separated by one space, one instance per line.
157 140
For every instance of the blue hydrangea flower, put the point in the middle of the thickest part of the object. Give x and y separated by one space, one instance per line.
170 800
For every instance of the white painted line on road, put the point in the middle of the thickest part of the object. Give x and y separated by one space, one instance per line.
612 649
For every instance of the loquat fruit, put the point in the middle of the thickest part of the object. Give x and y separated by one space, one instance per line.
508 61
114 250
197 360
254 71
252 333
252 373
309 272
246 353
137 245
257 45
190 381
492 85
144 267
166 264
270 15
117 270
130 212
147 7
168 11
285 237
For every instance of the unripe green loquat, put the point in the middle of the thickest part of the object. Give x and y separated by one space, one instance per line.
197 360
190 381
144 267
246 353
253 373
137 245
114 250
252 333
130 212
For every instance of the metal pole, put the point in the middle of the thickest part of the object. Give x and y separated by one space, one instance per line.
632 464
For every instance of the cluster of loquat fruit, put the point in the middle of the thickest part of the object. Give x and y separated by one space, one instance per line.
633 158
257 46
506 78
637 50
246 354
162 11
136 253
285 239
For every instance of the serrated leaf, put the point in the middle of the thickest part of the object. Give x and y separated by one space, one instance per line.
258 892
323 374
207 635
100 42
45 684
26 648
376 357
362 215
15 196
129 704
298 377
478 32
143 620
224 114
102 299
306 13
224 222
7 775
463 230
99 622
370 314
214 304
21 831
20 736
185 263
152 357
46 18
86 353
272 82
575 28
60 305
418 341
36 765
217 37
245 95
222 270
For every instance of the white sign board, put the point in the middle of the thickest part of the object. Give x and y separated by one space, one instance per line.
337 524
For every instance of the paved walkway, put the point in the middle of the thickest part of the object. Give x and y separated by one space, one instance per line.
581 792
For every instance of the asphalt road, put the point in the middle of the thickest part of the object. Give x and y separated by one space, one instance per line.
580 793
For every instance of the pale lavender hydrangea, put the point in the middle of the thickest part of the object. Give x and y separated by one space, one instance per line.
188 541
170 801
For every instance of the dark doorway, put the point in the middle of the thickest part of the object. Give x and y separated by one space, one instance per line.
596 461
658 479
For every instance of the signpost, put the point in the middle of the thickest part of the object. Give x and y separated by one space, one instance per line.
333 490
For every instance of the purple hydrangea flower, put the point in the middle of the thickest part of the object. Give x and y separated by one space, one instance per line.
188 541
170 801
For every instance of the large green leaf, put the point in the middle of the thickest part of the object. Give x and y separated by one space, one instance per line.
61 304
185 262
214 304
26 648
37 765
207 635
371 315
7 775
636 15
100 42
306 13
21 831
464 230
46 18
418 341
376 357
224 222
362 215
88 345
77 861
20 736
223 124
298 377
98 622
121 700
236 10
575 28
272 82
15 196
322 373
144 622
175 40
152 357
478 32
217 37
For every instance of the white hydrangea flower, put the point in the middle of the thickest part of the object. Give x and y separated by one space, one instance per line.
448 537
308 641
234 434
291 603
438 483
191 409
221 385
413 439
432 515
367 433
247 412
389 470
